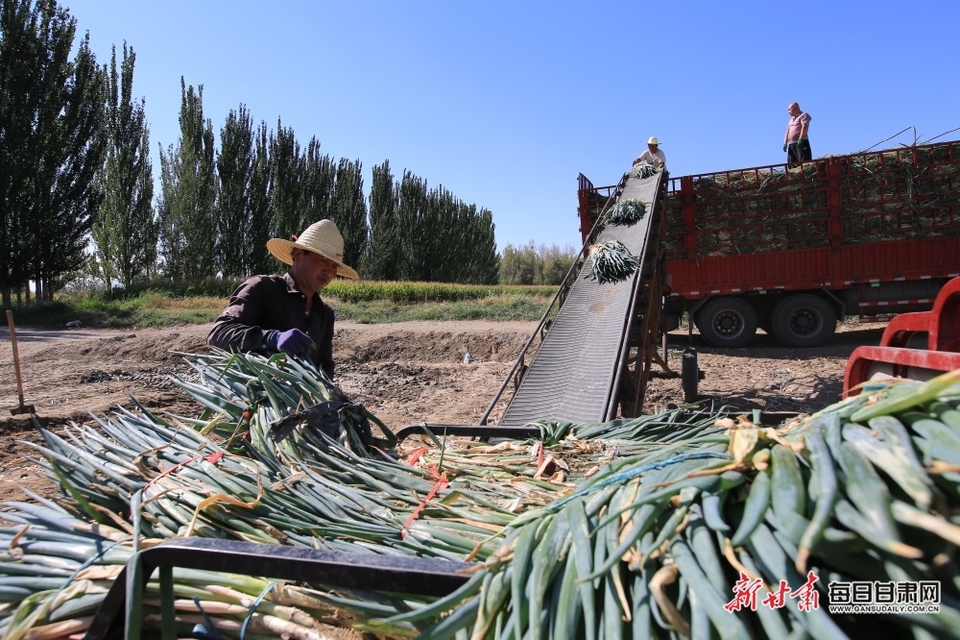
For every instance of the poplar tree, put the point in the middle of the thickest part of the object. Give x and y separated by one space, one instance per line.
483 263
410 205
349 210
316 184
434 240
188 194
256 258
71 149
125 230
51 145
286 169
236 163
382 261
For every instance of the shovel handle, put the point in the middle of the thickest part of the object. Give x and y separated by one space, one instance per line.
16 355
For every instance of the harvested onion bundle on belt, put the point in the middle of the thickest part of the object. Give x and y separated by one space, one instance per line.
611 261
625 213
643 171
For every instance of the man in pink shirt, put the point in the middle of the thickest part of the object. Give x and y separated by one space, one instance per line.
795 140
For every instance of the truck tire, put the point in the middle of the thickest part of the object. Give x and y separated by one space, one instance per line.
727 322
803 320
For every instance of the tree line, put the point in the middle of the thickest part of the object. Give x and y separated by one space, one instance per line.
77 182
535 265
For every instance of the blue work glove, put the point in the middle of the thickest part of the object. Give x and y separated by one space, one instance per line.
784 146
292 341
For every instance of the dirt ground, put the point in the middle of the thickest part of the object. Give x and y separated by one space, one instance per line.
405 373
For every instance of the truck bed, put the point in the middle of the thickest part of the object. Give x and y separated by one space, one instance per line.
839 221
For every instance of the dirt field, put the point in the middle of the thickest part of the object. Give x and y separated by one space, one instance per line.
404 373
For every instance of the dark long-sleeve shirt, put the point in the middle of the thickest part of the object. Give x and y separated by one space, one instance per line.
273 303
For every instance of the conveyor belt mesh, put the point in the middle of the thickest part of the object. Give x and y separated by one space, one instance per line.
573 372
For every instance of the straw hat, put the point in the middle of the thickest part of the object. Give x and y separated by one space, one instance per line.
322 238
653 140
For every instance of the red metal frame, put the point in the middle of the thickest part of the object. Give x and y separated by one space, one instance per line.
894 357
592 201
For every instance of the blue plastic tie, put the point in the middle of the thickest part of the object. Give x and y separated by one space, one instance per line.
210 629
253 608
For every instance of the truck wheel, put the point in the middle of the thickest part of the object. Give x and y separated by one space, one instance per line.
804 320
727 322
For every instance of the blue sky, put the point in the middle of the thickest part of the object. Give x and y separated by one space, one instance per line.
504 103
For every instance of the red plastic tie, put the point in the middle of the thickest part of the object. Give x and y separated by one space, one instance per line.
441 483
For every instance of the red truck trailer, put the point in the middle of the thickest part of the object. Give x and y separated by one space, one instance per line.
792 250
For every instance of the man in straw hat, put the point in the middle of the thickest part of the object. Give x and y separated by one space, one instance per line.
285 313
653 156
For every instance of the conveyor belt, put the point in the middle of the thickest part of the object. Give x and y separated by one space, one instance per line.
573 373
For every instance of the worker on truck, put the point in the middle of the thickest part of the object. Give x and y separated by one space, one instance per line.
795 140
653 156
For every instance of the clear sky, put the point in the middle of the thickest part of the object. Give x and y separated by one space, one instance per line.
505 102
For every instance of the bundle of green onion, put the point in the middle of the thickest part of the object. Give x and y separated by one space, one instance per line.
611 261
56 569
625 213
643 171
288 390
738 531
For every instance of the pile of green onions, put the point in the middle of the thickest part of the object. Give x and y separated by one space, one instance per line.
630 528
